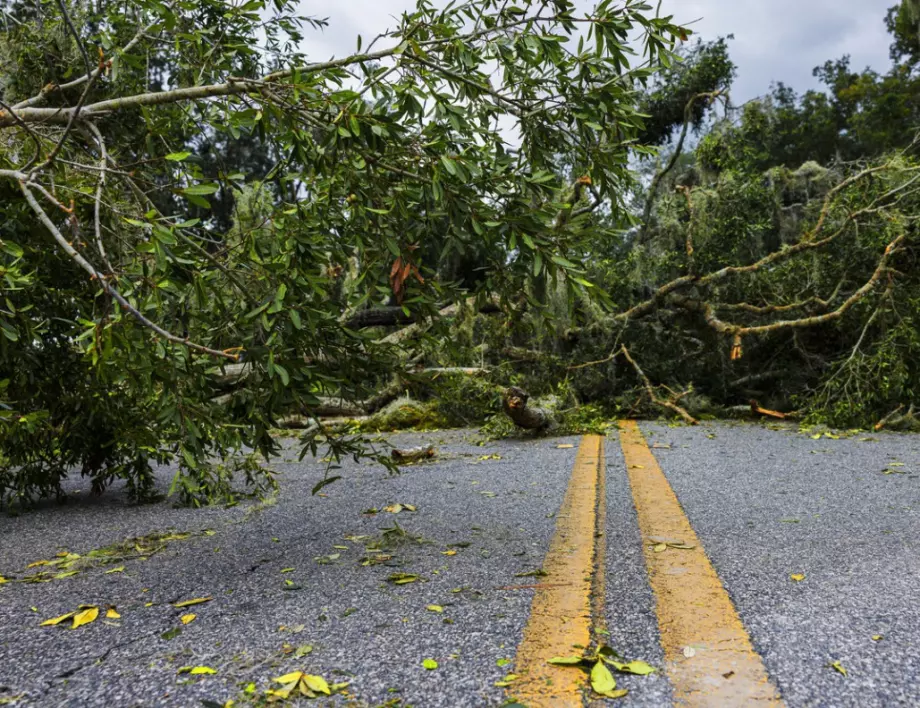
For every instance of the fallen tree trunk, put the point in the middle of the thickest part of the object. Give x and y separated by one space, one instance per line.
514 404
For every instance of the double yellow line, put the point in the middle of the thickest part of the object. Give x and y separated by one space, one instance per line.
709 659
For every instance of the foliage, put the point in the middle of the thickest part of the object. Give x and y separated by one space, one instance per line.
187 198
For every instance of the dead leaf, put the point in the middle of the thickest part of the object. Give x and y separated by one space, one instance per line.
838 667
797 577
660 547
564 446
434 608
119 569
602 681
402 578
689 652
449 553
85 617
185 619
57 620
189 603
112 614
197 670
877 637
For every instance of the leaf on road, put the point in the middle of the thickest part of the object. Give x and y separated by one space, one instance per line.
451 552
434 608
189 603
602 680
85 617
57 620
171 633
797 577
502 662
402 578
564 446
660 547
538 573
317 684
430 664
119 569
185 619
838 667
112 614
877 637
682 546
639 668
507 681
302 651
689 652
566 661
196 670
287 570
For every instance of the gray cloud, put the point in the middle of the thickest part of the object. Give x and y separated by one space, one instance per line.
775 40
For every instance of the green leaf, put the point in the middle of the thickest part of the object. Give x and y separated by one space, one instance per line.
430 664
602 680
178 156
201 190
329 480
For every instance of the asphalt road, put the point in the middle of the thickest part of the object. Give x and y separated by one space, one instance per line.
304 582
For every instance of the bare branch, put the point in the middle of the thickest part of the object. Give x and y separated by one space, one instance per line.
650 390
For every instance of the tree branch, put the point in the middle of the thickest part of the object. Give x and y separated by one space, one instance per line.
109 289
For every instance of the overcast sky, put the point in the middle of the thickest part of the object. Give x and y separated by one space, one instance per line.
775 40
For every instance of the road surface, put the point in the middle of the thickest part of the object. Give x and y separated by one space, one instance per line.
746 564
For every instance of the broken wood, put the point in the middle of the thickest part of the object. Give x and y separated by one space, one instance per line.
514 404
414 454
757 410
650 390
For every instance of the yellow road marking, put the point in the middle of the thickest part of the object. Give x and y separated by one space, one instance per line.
560 615
708 654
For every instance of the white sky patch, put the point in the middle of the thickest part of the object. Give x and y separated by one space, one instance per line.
775 40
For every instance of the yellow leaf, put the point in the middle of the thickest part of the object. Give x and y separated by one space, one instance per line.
283 692
3 580
797 577
838 667
602 680
660 547
435 608
288 678
119 569
57 620
189 603
112 614
85 617
148 604
37 563
188 618
316 683
449 553
198 670
564 446
877 637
